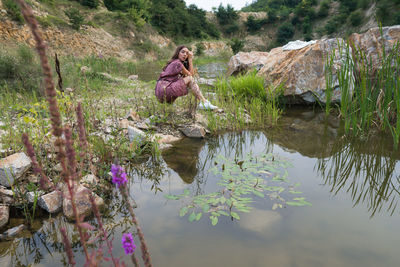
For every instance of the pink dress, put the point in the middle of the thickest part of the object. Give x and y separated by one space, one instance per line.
170 84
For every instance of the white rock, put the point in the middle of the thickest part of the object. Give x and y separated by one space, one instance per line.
31 196
13 167
294 45
51 202
136 135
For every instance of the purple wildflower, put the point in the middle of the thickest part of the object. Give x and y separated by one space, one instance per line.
119 176
128 244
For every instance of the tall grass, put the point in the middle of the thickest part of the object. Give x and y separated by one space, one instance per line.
370 95
247 102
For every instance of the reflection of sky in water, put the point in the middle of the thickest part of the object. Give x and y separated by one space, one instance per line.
332 232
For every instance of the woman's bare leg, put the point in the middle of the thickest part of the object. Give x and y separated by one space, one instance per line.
194 88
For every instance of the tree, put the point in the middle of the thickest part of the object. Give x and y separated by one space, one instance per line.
284 33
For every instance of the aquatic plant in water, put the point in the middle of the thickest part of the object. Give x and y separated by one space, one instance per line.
262 176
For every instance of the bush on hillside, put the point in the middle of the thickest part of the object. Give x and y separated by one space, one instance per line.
13 10
199 49
226 15
75 18
236 45
254 24
20 70
90 3
284 33
323 10
356 18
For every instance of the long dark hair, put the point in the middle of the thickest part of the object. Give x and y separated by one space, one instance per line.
176 56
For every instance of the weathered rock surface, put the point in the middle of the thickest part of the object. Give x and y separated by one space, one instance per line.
136 135
51 202
89 180
244 61
6 196
193 131
302 71
82 202
166 138
13 167
4 215
31 196
372 42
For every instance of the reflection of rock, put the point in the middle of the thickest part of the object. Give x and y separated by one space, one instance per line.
259 220
4 215
13 167
183 158
12 232
307 132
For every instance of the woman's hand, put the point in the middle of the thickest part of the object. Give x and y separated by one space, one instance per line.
190 55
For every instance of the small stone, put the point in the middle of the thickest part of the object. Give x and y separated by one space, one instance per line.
69 90
136 135
89 179
13 167
124 123
133 77
12 232
85 69
51 202
4 215
58 167
82 202
165 139
31 196
132 115
33 179
193 131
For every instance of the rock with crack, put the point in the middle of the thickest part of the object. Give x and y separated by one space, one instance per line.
51 202
4 215
193 131
82 202
13 167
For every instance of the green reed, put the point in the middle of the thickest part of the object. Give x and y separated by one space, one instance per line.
369 91
247 102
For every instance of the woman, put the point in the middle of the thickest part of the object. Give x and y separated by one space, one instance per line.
177 77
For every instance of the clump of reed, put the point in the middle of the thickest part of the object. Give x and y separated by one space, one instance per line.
67 157
370 91
247 102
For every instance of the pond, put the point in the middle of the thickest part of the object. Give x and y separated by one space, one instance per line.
151 70
352 186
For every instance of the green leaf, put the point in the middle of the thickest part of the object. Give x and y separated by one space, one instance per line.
214 220
172 197
198 216
293 203
235 215
206 207
192 217
183 211
223 213
258 193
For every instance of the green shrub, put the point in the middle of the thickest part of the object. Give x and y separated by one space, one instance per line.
20 70
285 33
90 3
254 24
199 49
356 18
236 44
75 18
323 10
13 10
226 15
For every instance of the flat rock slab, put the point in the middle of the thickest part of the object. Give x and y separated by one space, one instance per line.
136 135
4 215
82 202
51 202
13 167
193 131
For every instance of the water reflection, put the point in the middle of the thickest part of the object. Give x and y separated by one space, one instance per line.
366 171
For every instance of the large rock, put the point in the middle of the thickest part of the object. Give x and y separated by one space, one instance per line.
13 167
301 71
193 131
372 42
4 215
82 202
51 202
244 61
136 135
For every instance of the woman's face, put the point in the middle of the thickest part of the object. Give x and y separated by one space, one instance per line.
183 54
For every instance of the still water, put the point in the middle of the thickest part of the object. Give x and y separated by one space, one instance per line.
353 220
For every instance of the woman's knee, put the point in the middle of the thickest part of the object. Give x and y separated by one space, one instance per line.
188 80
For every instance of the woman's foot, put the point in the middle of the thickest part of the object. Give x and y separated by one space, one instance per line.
206 105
